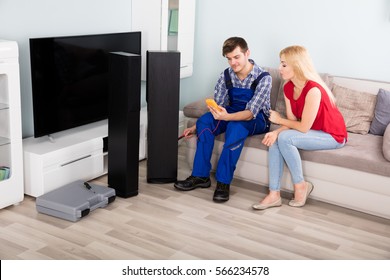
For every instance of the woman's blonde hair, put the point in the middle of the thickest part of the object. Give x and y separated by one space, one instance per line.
299 59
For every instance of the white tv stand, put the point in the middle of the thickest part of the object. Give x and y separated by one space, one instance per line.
75 154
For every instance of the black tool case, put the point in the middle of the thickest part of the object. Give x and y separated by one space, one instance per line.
75 200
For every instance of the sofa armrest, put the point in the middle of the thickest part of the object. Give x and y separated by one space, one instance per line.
386 143
196 109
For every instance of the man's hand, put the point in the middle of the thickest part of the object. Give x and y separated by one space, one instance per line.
189 132
220 114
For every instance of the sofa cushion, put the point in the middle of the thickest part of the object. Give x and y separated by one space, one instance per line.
356 107
361 152
381 113
386 143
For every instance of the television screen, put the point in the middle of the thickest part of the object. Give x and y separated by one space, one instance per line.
70 79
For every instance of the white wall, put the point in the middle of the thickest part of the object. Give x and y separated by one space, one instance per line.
345 37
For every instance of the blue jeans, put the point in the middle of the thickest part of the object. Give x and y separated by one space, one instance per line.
285 149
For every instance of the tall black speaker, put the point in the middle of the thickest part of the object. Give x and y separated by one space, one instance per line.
162 96
123 123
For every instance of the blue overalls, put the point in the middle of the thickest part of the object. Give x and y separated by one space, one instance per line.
236 132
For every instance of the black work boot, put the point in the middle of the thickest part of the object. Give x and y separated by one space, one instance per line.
192 183
221 193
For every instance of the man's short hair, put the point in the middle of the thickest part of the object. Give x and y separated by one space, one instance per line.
232 43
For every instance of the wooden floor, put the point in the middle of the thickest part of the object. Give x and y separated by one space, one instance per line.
162 223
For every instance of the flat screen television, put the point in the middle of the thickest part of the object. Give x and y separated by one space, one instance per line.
70 78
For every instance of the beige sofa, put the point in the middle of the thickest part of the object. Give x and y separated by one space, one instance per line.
356 176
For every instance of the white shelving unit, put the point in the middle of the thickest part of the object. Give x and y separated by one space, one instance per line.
11 150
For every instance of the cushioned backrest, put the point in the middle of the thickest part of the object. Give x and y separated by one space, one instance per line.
276 80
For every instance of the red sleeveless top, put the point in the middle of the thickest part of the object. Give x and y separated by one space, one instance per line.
328 119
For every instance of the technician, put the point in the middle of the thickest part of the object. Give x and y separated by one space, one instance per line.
242 93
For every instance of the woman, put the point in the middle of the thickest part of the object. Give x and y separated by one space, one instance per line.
313 123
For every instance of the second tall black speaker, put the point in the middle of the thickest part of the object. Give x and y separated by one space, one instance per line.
123 123
162 96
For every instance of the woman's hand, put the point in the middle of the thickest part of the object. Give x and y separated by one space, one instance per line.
270 138
275 117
